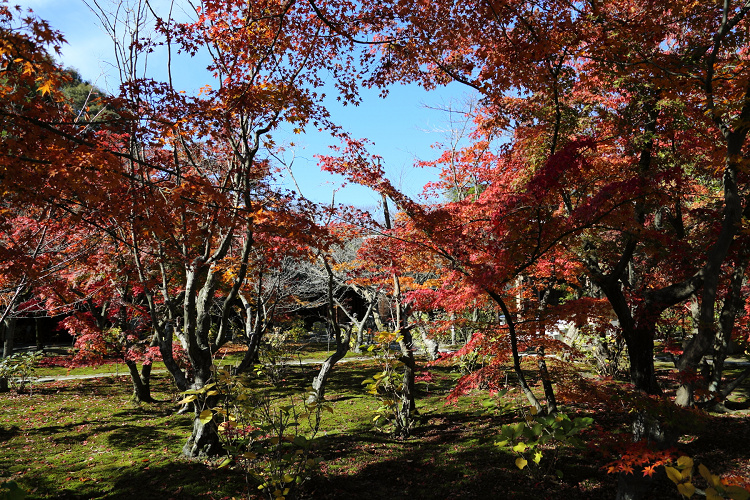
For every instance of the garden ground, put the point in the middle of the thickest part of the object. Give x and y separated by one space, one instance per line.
87 439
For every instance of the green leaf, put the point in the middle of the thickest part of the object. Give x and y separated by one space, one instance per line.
712 494
737 493
537 457
225 463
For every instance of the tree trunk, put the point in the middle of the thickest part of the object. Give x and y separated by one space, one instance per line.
549 393
319 384
406 344
8 328
7 333
453 328
204 440
640 343
532 399
636 485
38 334
141 382
733 303
254 333
164 341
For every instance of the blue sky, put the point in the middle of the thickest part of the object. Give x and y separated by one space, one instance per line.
403 126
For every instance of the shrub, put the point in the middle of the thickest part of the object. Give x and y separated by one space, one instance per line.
19 368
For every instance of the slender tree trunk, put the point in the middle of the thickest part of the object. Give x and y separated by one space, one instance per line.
141 381
408 405
549 393
406 344
319 383
164 341
732 305
453 328
342 344
38 333
8 330
700 343
8 327
253 332
532 399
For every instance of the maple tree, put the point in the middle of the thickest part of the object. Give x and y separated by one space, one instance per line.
47 166
659 91
198 194
605 178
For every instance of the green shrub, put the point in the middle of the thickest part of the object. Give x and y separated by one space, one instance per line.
537 439
19 368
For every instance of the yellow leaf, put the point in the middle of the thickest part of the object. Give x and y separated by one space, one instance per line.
206 416
537 457
188 399
521 463
520 447
250 455
686 489
288 478
534 410
705 473
46 88
685 462
673 474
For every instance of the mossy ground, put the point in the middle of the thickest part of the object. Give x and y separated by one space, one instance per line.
87 439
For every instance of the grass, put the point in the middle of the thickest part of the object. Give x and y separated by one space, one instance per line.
85 439
298 352
109 367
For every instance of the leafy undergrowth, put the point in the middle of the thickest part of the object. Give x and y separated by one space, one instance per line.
85 439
